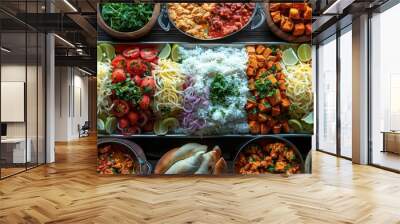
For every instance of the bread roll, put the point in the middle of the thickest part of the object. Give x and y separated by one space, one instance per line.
174 155
209 161
220 167
187 166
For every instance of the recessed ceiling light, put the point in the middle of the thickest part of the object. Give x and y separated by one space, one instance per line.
5 50
64 40
70 5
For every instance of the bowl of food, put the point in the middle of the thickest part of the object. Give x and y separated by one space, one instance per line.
268 154
290 21
121 156
127 20
211 21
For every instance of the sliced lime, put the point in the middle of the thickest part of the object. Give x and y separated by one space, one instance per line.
111 125
289 57
100 125
304 52
99 53
108 50
165 52
159 129
295 125
170 123
175 54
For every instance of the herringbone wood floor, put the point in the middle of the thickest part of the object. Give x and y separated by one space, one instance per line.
70 191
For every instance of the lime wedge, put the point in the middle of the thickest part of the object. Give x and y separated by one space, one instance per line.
100 125
108 50
111 125
165 52
304 52
295 125
99 53
175 55
289 57
159 130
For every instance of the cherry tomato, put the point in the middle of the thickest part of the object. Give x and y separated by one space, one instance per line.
138 80
148 84
118 75
133 118
118 62
120 108
132 53
144 102
136 67
123 123
148 54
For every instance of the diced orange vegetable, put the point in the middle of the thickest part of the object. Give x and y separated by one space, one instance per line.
264 129
250 49
270 64
254 127
250 71
285 127
261 64
271 58
253 63
260 49
260 57
277 129
262 117
282 85
272 79
278 67
261 71
264 106
285 103
267 52
276 111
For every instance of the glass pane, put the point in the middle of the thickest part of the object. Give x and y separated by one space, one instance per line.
346 94
327 97
41 99
32 96
385 89
13 85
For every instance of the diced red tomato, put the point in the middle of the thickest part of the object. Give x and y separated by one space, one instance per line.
132 53
136 67
148 84
118 75
120 108
148 54
138 80
133 118
144 102
123 123
118 62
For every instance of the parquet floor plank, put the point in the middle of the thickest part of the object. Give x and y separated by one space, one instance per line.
70 191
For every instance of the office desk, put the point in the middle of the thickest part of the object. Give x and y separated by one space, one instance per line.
13 150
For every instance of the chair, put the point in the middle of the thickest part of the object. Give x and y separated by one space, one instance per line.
84 130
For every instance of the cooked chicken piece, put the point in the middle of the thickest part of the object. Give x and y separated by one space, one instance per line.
308 13
274 7
299 29
287 24
276 16
294 13
308 29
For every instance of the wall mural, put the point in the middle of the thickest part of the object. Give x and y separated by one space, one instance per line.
208 89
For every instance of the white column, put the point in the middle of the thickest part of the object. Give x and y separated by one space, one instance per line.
360 90
50 100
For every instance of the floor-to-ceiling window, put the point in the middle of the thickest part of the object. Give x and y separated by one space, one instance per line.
327 96
385 89
346 96
22 77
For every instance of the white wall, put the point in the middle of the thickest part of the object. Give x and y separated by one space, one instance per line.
71 94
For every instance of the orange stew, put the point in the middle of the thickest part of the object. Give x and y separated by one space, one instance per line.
114 160
229 17
267 158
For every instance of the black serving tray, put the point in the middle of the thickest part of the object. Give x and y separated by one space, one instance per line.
155 146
